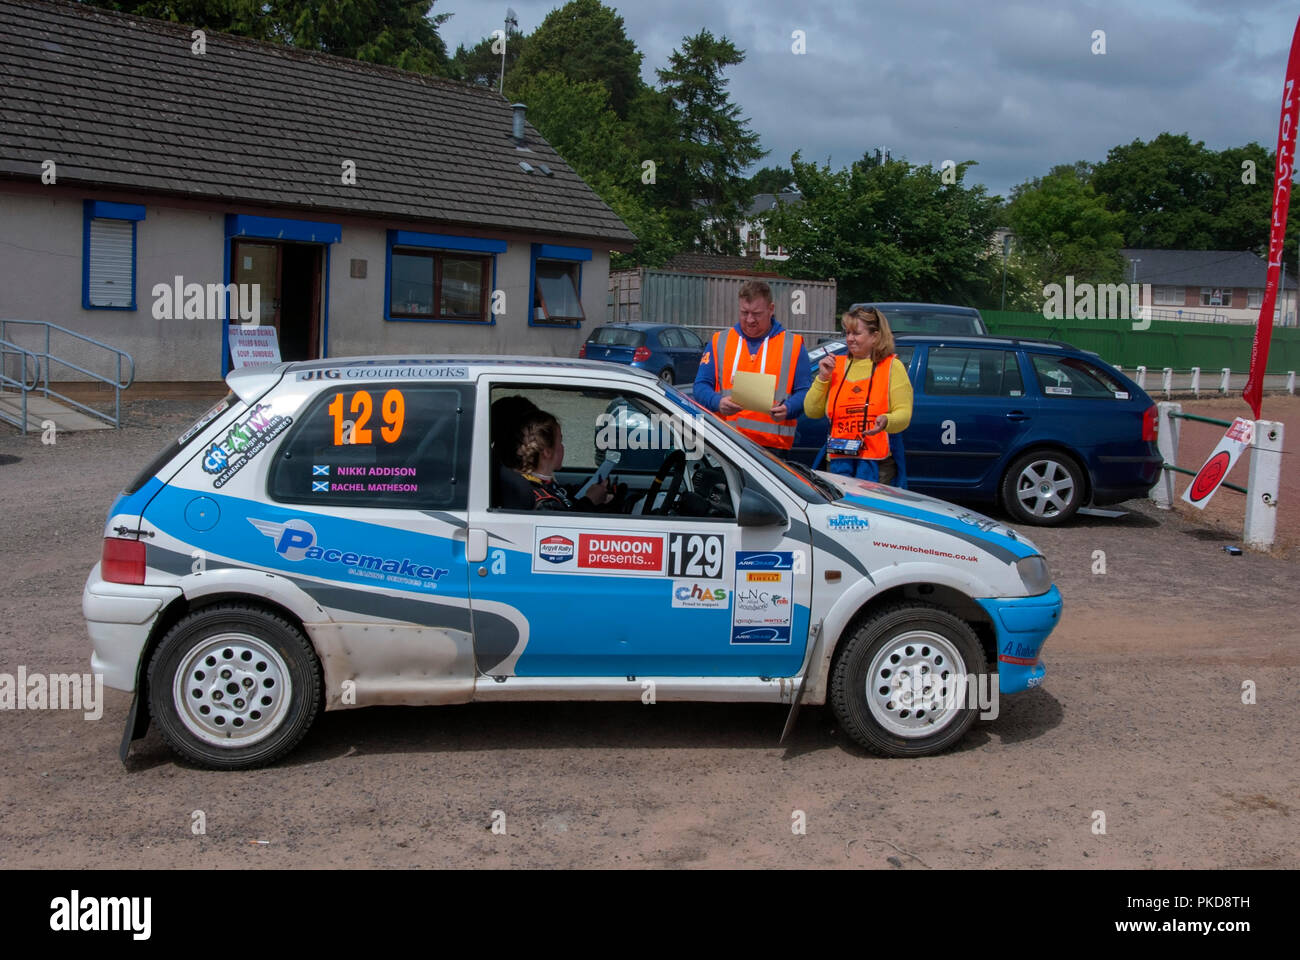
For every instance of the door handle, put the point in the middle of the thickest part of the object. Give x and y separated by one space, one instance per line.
476 544
1017 415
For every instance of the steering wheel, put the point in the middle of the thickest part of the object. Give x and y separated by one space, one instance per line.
674 466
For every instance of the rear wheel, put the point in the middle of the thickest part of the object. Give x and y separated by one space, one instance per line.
900 686
666 375
1043 487
234 686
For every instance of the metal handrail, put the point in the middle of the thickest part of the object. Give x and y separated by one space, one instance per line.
6 348
43 368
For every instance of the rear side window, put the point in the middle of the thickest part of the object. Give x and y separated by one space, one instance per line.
379 445
972 372
1074 377
169 451
670 338
617 337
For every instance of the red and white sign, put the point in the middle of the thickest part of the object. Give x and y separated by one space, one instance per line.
1207 480
635 552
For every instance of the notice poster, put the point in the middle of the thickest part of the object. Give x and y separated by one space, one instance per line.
1207 480
253 347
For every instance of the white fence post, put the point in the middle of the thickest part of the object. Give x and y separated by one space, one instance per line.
1225 380
1290 382
1167 429
1142 376
1265 474
1196 381
1167 380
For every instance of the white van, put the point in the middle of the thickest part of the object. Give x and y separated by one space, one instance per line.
336 534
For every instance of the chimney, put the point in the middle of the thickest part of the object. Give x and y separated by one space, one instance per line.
518 130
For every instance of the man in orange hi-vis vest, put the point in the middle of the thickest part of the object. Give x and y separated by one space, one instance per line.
758 344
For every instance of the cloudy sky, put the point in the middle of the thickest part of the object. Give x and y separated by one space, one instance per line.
1014 86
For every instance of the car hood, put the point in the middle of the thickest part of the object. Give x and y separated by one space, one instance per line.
866 495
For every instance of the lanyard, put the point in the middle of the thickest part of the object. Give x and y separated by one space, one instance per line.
744 345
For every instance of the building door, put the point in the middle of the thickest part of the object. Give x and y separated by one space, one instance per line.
289 277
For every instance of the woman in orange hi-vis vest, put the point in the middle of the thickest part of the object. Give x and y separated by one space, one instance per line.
867 396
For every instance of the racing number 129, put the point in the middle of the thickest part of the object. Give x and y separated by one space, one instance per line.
695 555
393 410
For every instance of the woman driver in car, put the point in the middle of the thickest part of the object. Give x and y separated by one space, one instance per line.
540 453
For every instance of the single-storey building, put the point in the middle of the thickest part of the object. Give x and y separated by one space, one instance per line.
159 184
1209 285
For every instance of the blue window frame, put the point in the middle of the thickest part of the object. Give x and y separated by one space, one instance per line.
108 254
440 277
555 279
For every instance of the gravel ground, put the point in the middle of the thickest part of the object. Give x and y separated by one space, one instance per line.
1140 719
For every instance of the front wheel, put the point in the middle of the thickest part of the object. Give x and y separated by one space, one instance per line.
901 685
233 686
1043 487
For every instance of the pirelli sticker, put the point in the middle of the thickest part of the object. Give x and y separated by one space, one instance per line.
612 552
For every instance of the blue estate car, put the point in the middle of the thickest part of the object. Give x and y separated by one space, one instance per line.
670 352
1038 426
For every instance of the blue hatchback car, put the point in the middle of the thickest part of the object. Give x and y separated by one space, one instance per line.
671 353
1038 426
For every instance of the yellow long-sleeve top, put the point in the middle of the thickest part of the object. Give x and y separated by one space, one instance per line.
900 393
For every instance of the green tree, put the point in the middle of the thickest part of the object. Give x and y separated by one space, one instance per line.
1063 228
891 231
480 65
396 33
770 180
583 41
705 192
577 120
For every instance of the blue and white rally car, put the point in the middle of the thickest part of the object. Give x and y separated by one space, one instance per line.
332 534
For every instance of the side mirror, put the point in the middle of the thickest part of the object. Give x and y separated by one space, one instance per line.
758 509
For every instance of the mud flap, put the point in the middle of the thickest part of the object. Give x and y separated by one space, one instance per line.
137 723
813 659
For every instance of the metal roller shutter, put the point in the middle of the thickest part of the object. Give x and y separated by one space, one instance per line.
111 273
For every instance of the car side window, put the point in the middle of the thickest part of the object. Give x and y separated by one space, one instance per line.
972 372
1073 377
600 424
669 338
395 445
690 339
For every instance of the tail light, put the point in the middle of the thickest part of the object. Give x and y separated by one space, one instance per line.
122 561
1150 424
640 354
582 352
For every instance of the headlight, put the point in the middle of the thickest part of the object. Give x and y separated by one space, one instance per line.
1035 575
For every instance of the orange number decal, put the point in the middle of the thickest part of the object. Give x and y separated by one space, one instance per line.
361 403
394 412
336 411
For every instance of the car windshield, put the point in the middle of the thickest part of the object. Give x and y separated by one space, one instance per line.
801 480
939 323
617 337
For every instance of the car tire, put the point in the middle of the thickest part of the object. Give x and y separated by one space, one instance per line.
1043 488
891 679
234 686
666 375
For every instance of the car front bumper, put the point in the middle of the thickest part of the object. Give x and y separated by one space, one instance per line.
1022 625
119 618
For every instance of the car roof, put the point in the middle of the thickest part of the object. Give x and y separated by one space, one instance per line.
977 340
635 326
250 381
929 307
